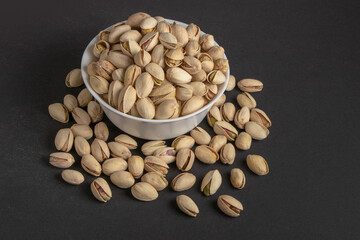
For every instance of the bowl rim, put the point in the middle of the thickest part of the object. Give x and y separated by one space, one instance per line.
85 77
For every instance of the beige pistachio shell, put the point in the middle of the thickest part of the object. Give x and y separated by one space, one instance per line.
131 73
119 60
228 111
207 41
199 88
144 85
95 111
158 181
226 129
213 116
231 84
246 100
207 63
183 141
136 166
191 64
177 75
180 33
142 58
149 41
122 179
216 52
145 108
192 48
99 84
183 181
158 55
185 159
167 109
187 205
135 19
112 165
162 93
74 78
168 40
104 35
200 136
119 150
243 141
212 90
101 190
159 18
127 141
81 116
211 182
206 154
194 32
156 72
102 68
70 102
114 92
221 64
163 26
174 57
237 178
90 165
167 154
155 164
184 91
217 142
84 97
220 101
250 85
144 191
64 140
227 154
101 131
229 205
259 116
72 176
117 31
82 146
130 48
82 130
61 159
127 99
192 105
99 150
150 147
148 25
118 74
257 164
134 112
59 112
256 131
242 116
216 77
133 35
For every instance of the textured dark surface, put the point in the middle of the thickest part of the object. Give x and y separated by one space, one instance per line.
305 52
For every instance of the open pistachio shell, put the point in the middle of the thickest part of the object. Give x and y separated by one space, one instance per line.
99 47
246 100
155 164
216 77
177 75
180 33
149 41
145 108
211 182
74 78
168 40
148 25
216 52
174 57
183 141
167 154
229 205
130 48
127 98
114 92
167 109
119 60
207 41
131 73
242 116
117 31
226 129
126 140
206 154
162 93
192 105
133 35
59 112
156 72
259 116
191 64
142 58
135 19
193 32
185 159
213 116
101 190
228 111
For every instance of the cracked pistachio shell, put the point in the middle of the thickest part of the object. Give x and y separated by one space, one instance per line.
168 40
167 109
112 165
104 35
148 25
119 150
126 140
131 73
82 130
183 181
122 179
91 165
250 85
158 55
216 77
187 205
183 91
119 60
193 31
222 65
180 33
199 77
95 111
74 78
257 164
118 30
256 131
59 112
228 111
237 178
72 176
207 63
82 146
127 99
144 85
135 19
99 47
61 159
243 141
64 140
149 41
100 150
211 182
200 136
213 116
156 72
155 164
163 26
81 116
199 88
158 181
183 141
130 48
84 97
177 75
144 191
192 48
101 190
216 52
145 108
217 142
133 35
104 69
142 58
136 166
246 100
104 54
212 90
118 74
101 131
185 159
231 83
167 154
220 101
191 64
162 93
192 105
226 129
229 205
99 84
242 116
206 154
150 147
207 41
70 102
259 116
227 154
174 57
114 92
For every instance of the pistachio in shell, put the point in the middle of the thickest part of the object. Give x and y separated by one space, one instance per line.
149 41
185 159
91 165
144 191
183 141
122 179
113 165
226 129
257 164
59 112
95 111
119 150
144 85
174 57
229 205
145 107
74 78
101 131
82 146
136 166
237 178
211 182
81 116
142 58
64 140
187 205
246 100
206 154
250 85
231 84
168 40
158 181
259 116
148 25
213 116
217 142
243 141
242 116
82 130
127 141
61 159
131 73
156 72
99 84
101 190
193 31
135 19
180 33
99 150
177 75
256 131
228 111
192 105
184 91
117 30
207 41
192 48
183 181
155 164
167 109
216 52
200 136
227 154
70 102
114 92
127 99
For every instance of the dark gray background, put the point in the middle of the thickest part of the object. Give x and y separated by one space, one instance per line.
305 52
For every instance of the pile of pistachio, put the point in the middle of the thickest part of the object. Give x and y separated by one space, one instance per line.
149 68
146 175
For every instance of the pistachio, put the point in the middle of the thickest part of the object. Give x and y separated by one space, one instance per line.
199 88
127 98
168 40
243 141
134 112
180 33
59 112
187 205
133 35
183 141
122 179
211 182
104 68
91 165
163 26
217 142
135 19
158 55
174 57
72 177
61 159
148 25
242 116
228 111
112 165
221 100
227 154
114 92
250 85
101 190
144 191
70 102
159 18
177 75
257 164
212 90
84 97
156 72
64 140
192 48
99 84
229 205
256 131
199 77
118 30
101 131
118 74
119 150
82 130
192 105
216 52
167 154
162 93
207 63
159 182
100 150
222 65
191 64
142 58
150 147
216 77
185 159
155 164
104 35
95 111
145 108
119 60
213 116
183 91
259 116
149 41
206 154
183 181
74 78
200 136
130 48
131 73
82 146
193 32
207 41
231 83
104 54
127 141
136 166
237 178
226 129
81 116
167 109
144 85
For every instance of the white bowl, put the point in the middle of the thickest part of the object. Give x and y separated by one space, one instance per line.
150 129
